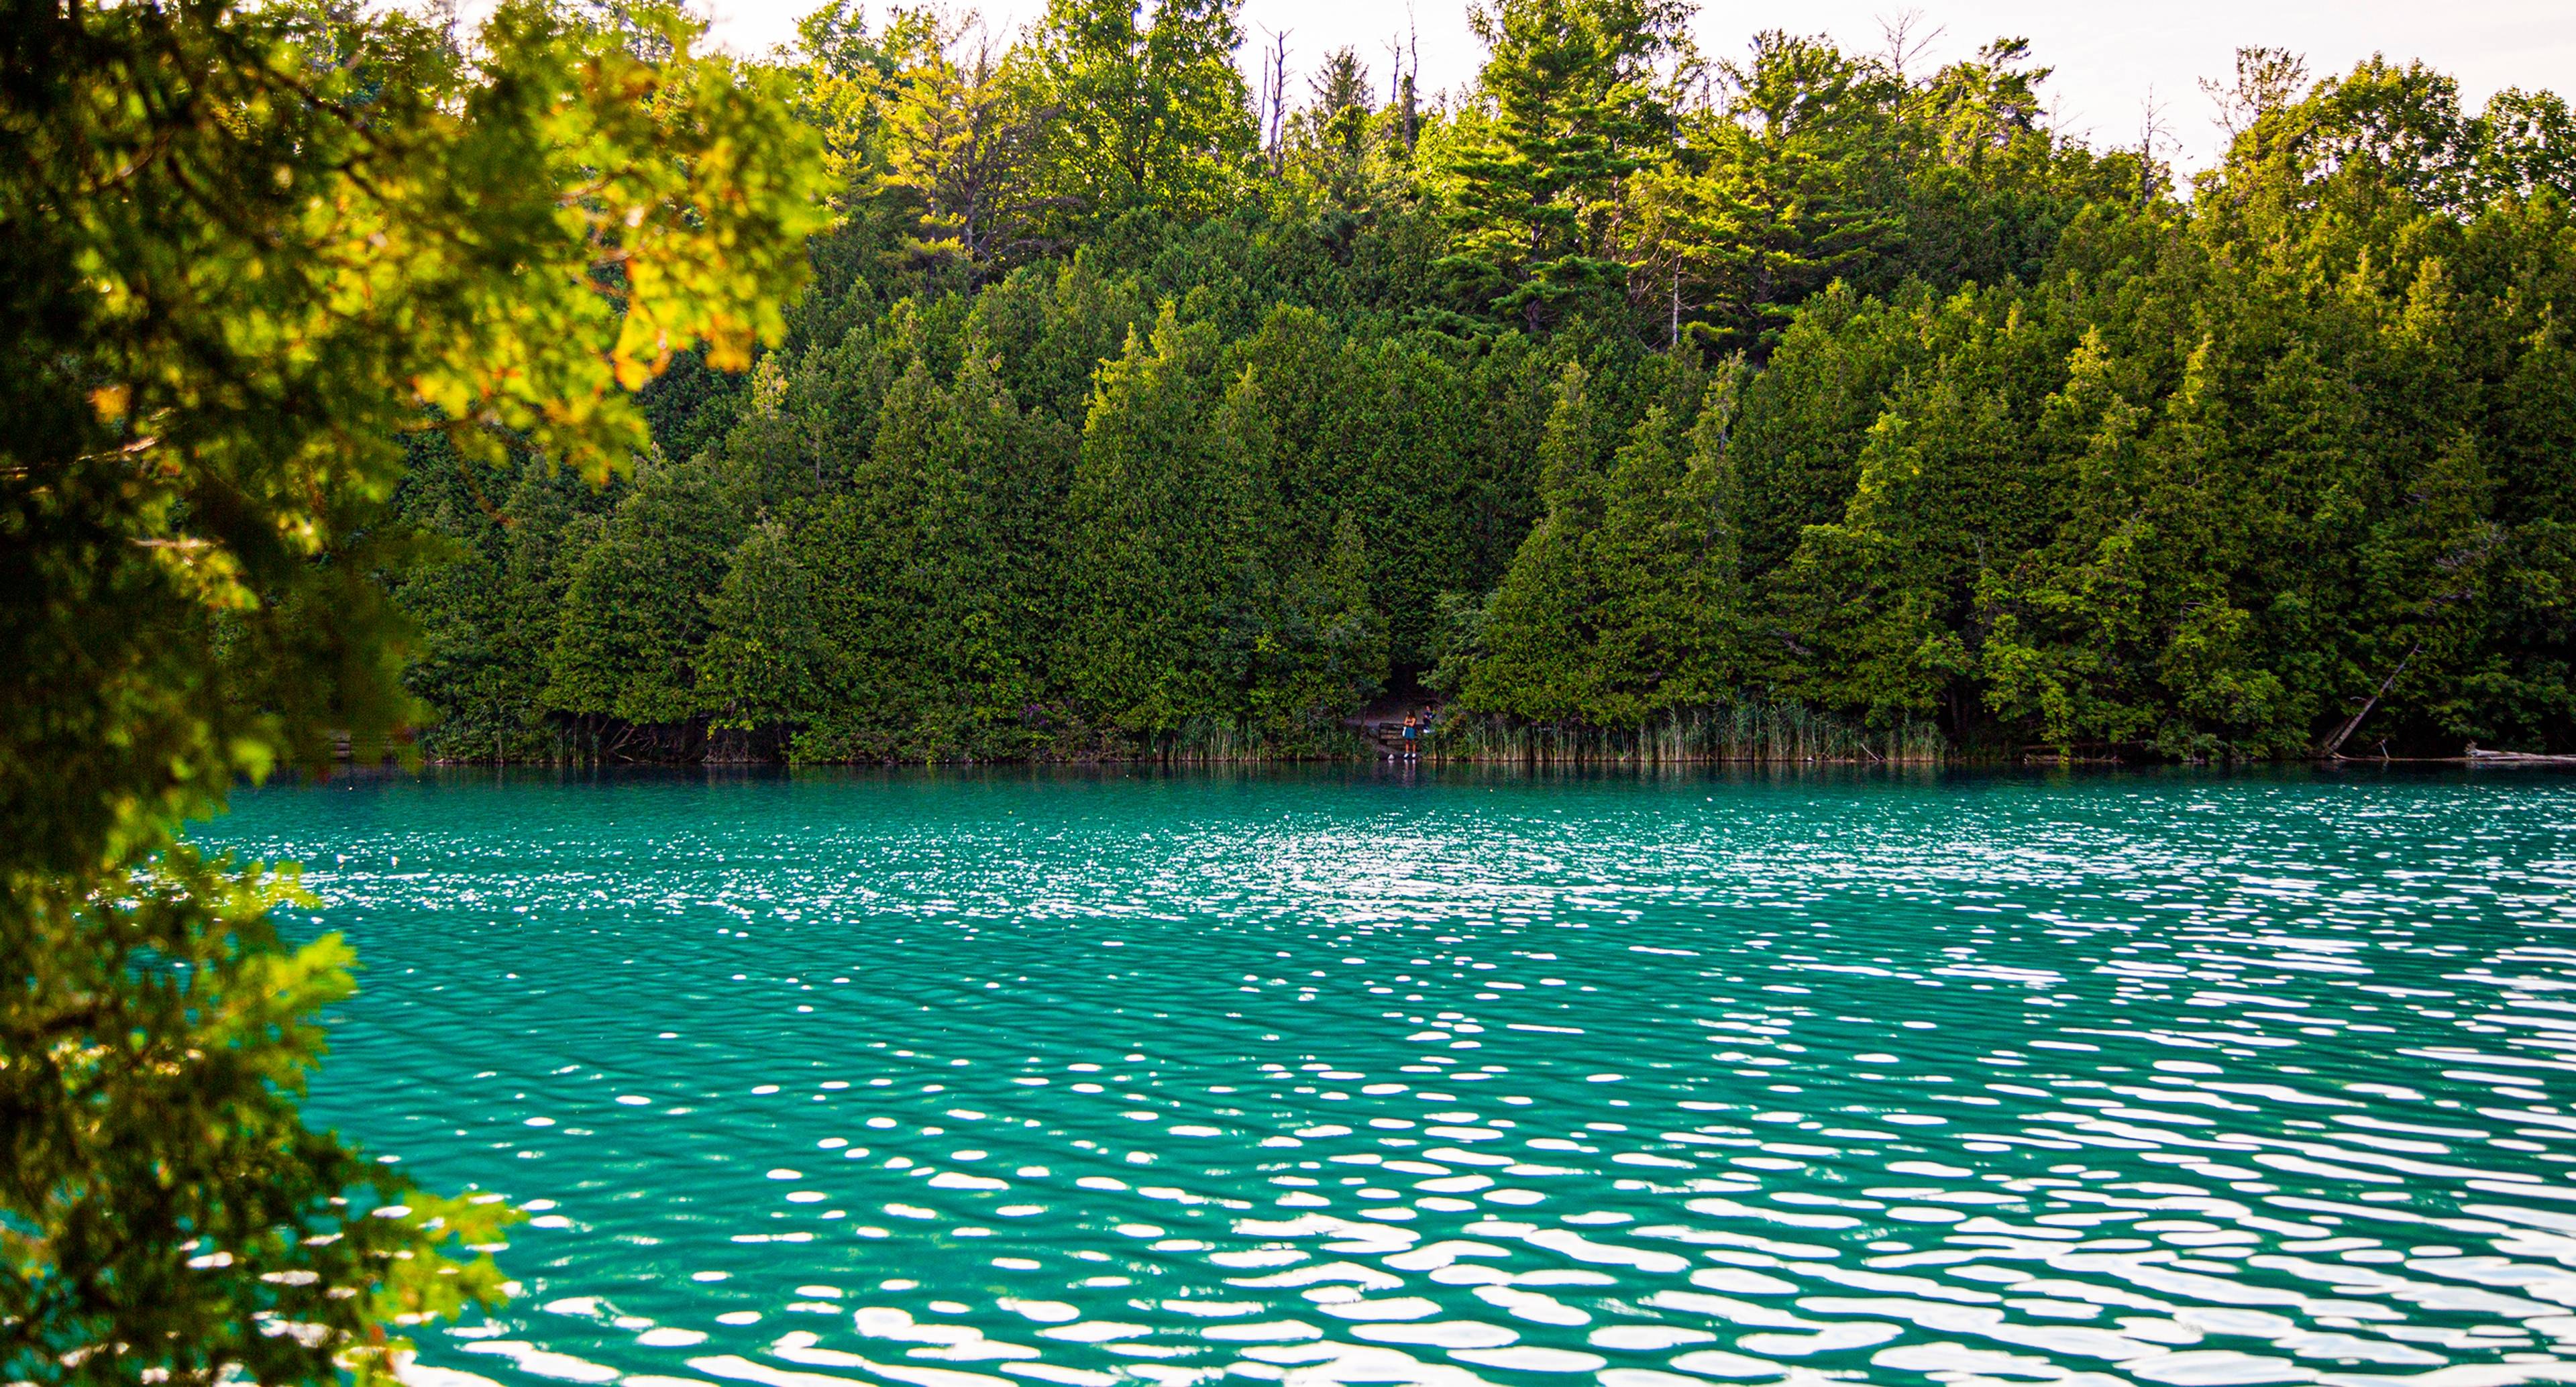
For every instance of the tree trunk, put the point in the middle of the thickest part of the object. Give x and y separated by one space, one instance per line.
2335 743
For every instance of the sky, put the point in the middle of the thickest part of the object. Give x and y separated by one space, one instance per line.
2109 60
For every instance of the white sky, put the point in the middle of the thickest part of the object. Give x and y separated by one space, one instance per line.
2107 58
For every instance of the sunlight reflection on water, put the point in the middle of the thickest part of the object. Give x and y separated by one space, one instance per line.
965 1081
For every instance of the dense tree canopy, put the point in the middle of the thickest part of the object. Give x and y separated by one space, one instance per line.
1134 412
1620 385
370 382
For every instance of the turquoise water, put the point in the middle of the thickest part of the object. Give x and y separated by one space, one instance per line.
964 1081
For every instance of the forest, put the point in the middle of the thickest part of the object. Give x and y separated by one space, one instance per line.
567 392
1635 400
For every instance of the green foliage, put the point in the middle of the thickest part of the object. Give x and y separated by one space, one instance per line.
634 608
1139 115
1159 616
1616 610
1133 415
168 1209
2270 522
1777 191
1570 104
958 133
258 261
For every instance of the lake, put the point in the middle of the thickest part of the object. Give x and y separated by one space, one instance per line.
966 1080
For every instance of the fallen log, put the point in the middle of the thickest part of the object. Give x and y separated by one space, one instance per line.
2480 757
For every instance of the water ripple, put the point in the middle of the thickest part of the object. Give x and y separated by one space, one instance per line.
973 1081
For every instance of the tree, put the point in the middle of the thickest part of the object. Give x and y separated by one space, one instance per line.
839 71
1324 652
1535 637
1120 428
1341 105
634 610
994 484
245 251
1807 415
1146 115
1783 187
766 661
1951 484
1570 104
1326 145
1666 560
958 145
484 595
1620 606
1156 559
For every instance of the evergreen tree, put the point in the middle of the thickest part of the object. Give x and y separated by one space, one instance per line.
1666 562
1324 654
767 661
1157 564
960 145
1807 416
1100 434
634 610
1570 104
1785 185
1622 604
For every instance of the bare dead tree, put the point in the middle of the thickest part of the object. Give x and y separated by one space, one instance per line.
2156 143
1408 77
1906 40
2333 746
2266 80
1274 99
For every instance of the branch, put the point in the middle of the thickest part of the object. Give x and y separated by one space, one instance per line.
2335 743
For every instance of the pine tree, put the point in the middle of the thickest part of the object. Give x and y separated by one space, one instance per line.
1569 105
959 144
1787 184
